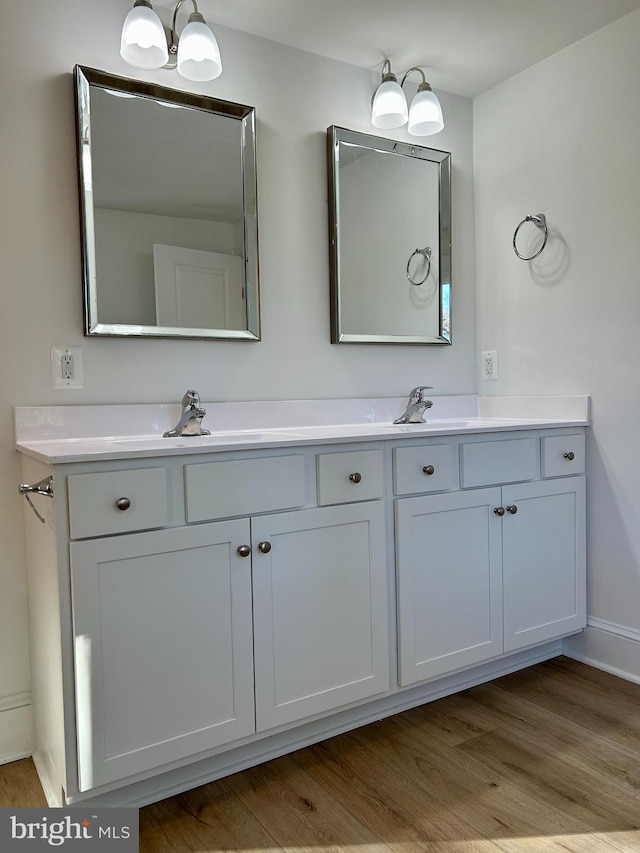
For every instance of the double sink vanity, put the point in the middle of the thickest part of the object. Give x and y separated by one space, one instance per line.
200 604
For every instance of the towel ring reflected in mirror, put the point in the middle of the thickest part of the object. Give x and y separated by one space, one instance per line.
540 221
426 254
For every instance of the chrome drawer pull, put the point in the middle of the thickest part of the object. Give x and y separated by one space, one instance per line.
264 547
570 456
499 510
513 509
355 478
429 470
123 503
244 550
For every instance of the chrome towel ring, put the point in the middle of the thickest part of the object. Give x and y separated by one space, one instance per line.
426 254
540 221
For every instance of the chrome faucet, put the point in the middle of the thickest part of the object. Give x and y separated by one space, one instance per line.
416 406
190 422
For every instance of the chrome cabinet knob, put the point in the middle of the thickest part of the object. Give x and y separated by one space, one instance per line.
244 550
513 509
355 478
123 503
499 510
264 547
570 456
429 470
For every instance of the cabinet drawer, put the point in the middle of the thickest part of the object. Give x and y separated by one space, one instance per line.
244 487
563 455
489 463
427 468
353 476
94 498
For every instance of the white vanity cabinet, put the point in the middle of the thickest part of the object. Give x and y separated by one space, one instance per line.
175 631
198 613
482 571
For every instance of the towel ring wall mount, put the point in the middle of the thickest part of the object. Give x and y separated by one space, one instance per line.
426 254
540 221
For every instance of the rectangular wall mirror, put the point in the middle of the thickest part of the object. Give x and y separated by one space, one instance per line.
389 240
168 209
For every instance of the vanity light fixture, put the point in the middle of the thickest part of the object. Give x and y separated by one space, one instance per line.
389 107
147 43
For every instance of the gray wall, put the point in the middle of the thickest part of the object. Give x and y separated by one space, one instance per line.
563 138
297 96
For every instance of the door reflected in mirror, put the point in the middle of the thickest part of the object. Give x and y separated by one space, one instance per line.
390 240
169 214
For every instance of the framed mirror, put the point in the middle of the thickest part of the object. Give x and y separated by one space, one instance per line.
168 211
389 240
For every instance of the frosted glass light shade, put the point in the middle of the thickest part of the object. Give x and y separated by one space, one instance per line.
143 43
425 114
389 108
198 53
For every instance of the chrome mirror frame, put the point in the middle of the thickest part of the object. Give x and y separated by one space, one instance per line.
84 80
337 136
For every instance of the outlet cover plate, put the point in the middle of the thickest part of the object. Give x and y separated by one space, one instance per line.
77 380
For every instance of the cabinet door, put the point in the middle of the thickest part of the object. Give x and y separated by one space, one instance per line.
449 582
163 647
320 610
544 561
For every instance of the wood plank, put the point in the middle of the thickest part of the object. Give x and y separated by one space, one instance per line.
298 812
545 775
20 786
210 817
595 709
389 798
583 748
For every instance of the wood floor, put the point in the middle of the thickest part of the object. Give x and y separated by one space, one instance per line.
547 759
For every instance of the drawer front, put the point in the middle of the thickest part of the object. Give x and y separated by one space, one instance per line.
428 468
244 486
563 455
490 463
352 476
94 501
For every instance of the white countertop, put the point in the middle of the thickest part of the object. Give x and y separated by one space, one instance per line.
59 434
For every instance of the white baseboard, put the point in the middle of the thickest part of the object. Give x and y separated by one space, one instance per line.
607 646
16 727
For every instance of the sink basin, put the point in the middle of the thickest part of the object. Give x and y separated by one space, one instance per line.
434 423
223 437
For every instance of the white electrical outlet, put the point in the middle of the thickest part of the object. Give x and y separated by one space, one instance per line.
66 367
490 365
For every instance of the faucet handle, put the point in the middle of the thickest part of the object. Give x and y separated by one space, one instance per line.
191 400
416 393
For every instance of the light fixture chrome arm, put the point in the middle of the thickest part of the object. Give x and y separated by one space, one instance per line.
173 32
420 71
